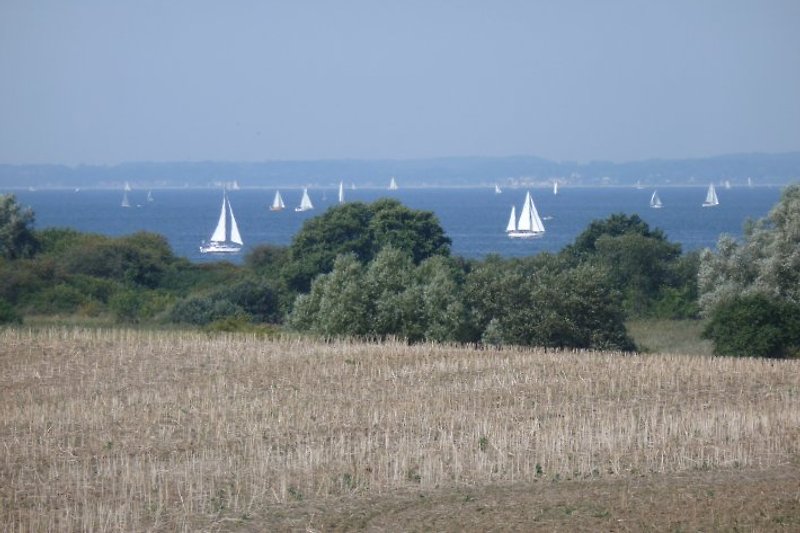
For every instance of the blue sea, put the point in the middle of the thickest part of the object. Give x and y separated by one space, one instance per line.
474 218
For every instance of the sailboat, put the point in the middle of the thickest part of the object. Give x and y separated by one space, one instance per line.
711 197
305 202
555 187
393 184
220 241
127 186
749 182
655 201
529 224
497 189
277 203
125 201
150 196
341 192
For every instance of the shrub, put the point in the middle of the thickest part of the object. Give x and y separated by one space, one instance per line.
755 325
8 314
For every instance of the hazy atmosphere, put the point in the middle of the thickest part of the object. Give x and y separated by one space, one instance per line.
98 82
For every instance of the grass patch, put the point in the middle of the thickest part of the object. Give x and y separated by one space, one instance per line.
670 336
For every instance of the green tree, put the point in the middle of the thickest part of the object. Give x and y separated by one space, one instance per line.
17 238
755 325
337 304
766 262
542 301
361 230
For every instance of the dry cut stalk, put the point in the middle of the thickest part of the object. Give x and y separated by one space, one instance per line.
130 430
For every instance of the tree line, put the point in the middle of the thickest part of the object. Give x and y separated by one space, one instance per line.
383 270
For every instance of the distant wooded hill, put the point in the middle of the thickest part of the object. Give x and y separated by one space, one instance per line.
775 169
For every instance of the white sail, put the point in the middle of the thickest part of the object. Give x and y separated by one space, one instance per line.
221 229
529 224
150 196
711 197
305 202
512 220
341 192
219 242
393 184
125 201
127 186
277 203
655 201
235 235
749 182
555 187
497 189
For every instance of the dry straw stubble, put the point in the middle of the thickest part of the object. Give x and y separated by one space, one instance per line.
128 430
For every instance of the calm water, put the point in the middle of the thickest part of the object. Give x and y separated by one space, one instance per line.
475 219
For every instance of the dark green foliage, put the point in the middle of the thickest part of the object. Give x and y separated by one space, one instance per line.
542 301
361 230
616 225
202 310
140 259
7 313
755 325
641 264
17 239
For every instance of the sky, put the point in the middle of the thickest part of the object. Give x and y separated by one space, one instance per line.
106 82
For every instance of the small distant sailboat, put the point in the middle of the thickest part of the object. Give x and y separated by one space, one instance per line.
352 186
555 187
711 197
497 189
305 203
341 192
727 184
125 201
393 184
150 197
221 241
639 185
529 224
277 203
655 201
749 182
127 186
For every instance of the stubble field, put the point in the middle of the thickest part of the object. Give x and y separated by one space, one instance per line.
129 430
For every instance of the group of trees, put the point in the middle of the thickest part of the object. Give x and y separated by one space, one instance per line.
379 270
750 290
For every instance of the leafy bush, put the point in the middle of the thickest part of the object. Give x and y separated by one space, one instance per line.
17 238
755 325
8 315
202 310
361 230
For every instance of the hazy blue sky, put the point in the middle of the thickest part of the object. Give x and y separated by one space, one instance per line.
128 80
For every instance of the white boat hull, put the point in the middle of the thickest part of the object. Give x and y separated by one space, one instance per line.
219 248
705 204
525 234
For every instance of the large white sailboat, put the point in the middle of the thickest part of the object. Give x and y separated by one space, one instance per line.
393 184
529 225
305 203
711 197
277 203
221 241
655 201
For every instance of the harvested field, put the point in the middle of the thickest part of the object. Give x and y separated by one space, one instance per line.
134 430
